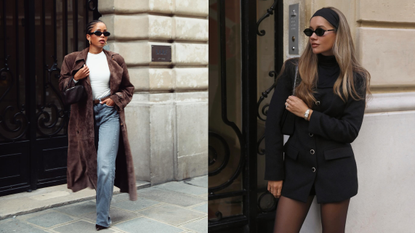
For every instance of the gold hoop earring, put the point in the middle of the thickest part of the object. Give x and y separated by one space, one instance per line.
89 42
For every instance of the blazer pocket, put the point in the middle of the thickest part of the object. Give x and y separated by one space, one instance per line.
291 152
338 153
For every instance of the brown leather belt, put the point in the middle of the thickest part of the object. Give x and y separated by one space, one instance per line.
97 101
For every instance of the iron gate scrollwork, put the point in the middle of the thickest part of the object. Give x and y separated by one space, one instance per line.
35 35
238 203
270 12
226 156
13 121
262 111
51 115
266 202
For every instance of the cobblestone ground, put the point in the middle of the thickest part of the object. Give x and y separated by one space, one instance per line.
167 208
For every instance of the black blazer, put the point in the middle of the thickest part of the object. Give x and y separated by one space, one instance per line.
318 155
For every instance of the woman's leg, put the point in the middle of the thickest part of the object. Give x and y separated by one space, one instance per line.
291 214
333 216
108 129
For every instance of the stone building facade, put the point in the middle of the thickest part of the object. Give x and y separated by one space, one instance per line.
383 33
168 115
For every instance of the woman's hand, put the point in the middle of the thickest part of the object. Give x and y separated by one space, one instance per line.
274 187
108 102
296 106
82 73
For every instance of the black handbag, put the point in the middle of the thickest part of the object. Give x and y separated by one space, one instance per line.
288 118
73 95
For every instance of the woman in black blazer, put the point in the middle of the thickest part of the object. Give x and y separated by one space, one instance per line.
328 108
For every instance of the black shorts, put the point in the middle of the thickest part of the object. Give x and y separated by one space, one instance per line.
313 190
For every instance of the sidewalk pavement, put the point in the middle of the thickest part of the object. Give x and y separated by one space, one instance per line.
167 208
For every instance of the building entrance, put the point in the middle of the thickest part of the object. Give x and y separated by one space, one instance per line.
34 37
245 54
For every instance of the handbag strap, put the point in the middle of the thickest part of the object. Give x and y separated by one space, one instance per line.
295 78
67 84
66 87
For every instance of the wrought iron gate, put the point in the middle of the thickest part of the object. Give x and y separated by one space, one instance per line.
35 36
238 199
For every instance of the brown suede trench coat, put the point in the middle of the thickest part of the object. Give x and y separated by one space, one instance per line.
82 155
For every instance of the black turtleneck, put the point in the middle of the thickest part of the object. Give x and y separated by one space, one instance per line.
328 71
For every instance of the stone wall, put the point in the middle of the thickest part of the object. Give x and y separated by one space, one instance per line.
168 116
383 31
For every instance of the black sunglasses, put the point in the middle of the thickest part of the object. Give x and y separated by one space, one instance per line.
99 33
319 31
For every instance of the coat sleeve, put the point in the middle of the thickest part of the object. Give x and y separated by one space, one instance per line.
126 90
66 78
274 166
345 128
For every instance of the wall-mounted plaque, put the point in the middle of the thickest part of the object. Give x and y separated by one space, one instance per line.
161 53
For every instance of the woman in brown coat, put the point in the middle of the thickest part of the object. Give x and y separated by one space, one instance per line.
99 153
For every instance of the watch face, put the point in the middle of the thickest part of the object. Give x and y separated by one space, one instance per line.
306 114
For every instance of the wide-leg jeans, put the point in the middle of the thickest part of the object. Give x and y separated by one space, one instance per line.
107 133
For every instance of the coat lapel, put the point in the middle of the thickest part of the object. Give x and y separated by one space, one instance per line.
80 60
115 72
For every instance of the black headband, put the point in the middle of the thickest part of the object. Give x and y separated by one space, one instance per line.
330 15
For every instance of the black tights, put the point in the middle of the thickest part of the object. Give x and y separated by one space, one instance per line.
291 215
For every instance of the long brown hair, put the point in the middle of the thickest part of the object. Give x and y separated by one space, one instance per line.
344 52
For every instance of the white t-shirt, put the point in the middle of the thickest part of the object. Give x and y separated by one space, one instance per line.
99 74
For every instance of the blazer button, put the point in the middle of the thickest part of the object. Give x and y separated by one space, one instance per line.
317 102
310 134
313 169
312 151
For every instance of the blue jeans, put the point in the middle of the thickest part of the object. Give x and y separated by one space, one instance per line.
107 133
